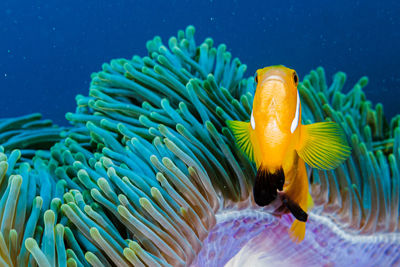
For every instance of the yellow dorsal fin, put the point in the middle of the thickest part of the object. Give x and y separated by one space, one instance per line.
323 145
244 139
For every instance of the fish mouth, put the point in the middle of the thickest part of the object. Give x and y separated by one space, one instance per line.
275 78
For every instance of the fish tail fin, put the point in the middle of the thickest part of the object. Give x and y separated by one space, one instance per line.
297 231
266 185
245 140
297 197
323 145
298 201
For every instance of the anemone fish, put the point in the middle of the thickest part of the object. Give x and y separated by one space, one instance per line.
280 145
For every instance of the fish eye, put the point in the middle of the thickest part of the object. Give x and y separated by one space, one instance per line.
295 78
256 78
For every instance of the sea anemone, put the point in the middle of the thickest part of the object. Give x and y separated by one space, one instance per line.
149 174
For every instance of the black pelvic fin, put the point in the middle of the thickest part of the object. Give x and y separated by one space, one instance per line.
295 209
266 185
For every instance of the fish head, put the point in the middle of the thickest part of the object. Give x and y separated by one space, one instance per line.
276 98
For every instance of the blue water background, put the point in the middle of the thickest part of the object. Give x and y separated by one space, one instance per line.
48 49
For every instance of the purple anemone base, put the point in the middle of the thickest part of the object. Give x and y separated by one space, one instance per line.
256 238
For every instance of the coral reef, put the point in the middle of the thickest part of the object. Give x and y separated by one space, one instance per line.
149 168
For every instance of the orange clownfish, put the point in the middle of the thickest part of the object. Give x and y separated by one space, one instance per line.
280 145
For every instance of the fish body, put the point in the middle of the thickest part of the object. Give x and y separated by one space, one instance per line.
280 145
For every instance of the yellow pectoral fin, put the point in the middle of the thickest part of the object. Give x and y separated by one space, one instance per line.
310 202
244 139
323 145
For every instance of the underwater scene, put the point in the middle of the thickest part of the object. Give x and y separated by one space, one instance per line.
199 133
